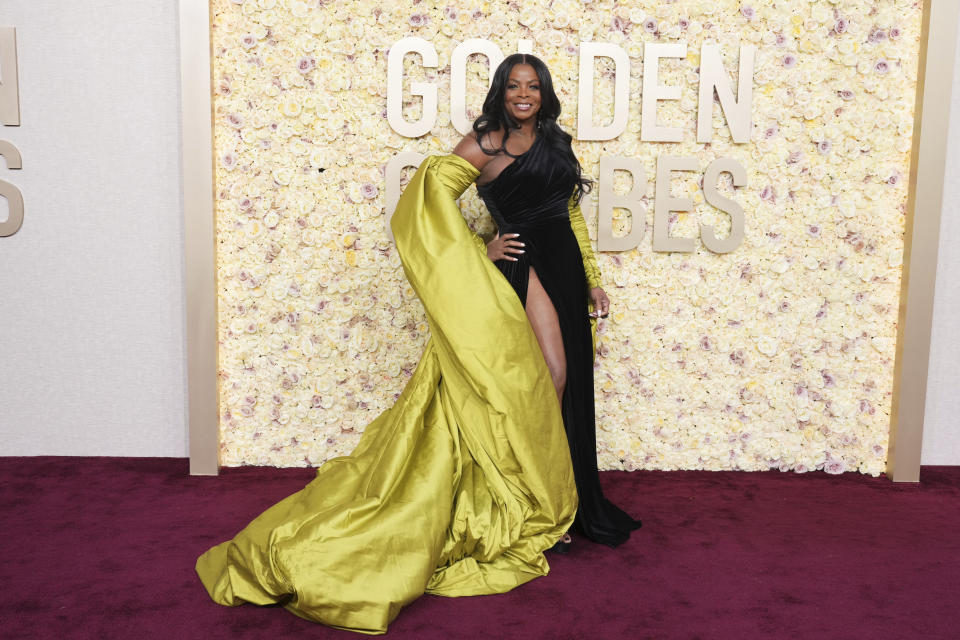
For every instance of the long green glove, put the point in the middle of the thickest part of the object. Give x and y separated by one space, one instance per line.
579 227
590 268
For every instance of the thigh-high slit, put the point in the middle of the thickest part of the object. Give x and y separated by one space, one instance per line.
552 251
546 327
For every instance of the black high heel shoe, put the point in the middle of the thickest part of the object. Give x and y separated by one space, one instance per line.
562 545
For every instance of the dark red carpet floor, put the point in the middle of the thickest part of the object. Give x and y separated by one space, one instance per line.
105 548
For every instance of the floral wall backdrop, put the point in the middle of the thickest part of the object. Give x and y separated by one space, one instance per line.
777 355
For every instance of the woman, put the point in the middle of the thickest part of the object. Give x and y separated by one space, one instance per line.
460 487
531 182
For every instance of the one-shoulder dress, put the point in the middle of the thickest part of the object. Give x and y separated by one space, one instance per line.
460 487
532 196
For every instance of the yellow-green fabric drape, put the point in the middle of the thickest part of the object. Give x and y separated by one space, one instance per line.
458 488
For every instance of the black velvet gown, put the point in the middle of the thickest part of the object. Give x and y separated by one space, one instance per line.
530 197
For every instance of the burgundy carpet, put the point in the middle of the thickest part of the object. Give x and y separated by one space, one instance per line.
105 548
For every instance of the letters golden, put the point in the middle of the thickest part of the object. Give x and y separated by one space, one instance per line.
737 110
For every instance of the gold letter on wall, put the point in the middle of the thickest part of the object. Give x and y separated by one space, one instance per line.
630 201
14 198
9 88
427 91
732 208
665 204
586 129
714 78
458 77
653 92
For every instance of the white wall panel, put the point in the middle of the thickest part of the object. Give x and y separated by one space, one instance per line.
91 302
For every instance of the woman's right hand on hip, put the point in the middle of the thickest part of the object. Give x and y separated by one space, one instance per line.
504 247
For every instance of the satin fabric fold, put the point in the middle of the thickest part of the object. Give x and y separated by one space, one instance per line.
455 490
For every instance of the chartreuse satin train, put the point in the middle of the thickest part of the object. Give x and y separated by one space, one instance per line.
459 487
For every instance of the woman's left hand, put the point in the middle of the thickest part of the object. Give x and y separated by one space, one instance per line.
601 303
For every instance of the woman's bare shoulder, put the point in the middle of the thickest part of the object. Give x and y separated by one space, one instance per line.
469 148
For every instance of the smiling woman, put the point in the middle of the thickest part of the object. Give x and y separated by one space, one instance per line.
461 486
531 182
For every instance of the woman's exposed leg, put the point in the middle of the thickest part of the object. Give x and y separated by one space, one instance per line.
546 326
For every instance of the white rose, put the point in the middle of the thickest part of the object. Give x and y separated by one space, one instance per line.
768 345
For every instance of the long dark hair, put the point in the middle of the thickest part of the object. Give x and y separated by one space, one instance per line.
496 118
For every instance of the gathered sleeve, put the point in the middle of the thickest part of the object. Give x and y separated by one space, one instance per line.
579 227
